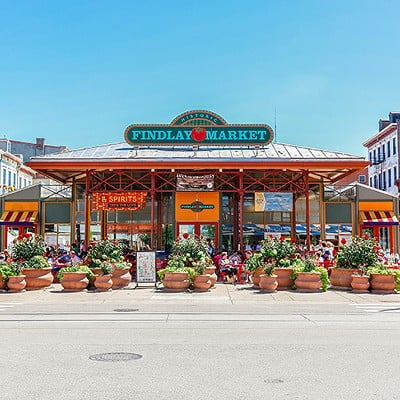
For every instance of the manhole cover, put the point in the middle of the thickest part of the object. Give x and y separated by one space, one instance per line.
114 357
126 309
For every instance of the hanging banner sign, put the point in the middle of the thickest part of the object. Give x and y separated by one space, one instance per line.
152 135
194 183
273 201
118 200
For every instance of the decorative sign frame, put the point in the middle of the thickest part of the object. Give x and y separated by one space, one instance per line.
146 271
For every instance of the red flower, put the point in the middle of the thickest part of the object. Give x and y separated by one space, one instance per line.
115 242
366 236
282 238
293 240
185 235
343 241
271 236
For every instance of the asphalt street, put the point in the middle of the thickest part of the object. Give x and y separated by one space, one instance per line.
230 343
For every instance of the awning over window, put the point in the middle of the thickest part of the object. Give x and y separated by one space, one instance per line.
382 218
25 218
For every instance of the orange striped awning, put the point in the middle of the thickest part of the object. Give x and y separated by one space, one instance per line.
382 218
18 218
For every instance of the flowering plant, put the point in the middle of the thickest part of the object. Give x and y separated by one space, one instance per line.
190 252
105 250
26 246
359 253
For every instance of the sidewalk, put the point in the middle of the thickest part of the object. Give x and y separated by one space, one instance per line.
222 298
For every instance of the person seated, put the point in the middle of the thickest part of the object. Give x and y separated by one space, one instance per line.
65 258
225 265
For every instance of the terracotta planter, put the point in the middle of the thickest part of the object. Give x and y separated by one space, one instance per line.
176 281
202 283
103 283
341 278
3 282
16 283
255 277
74 281
268 284
97 271
37 278
213 276
308 282
283 276
121 278
383 284
360 284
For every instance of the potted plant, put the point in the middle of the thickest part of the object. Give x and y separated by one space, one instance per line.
351 257
103 282
75 277
279 251
383 280
29 250
360 280
120 275
309 277
15 280
188 259
268 282
255 265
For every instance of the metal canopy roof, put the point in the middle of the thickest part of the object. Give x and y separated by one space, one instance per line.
325 164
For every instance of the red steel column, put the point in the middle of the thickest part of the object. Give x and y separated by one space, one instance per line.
307 194
87 210
241 211
152 210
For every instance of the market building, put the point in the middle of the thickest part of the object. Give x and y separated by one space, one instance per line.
201 175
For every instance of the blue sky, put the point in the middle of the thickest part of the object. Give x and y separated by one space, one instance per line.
79 72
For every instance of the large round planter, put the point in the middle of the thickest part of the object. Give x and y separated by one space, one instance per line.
360 284
176 281
308 282
255 277
37 278
16 283
202 283
383 284
283 276
268 284
341 278
213 276
74 281
103 283
120 278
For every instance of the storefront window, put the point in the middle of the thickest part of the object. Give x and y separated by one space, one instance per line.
58 236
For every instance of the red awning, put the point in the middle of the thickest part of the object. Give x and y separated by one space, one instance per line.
382 218
26 218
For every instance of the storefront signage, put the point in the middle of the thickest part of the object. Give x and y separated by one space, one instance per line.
198 115
273 201
197 206
210 135
118 200
194 183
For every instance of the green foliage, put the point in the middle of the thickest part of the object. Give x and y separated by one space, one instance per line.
75 268
382 269
190 271
26 247
190 252
107 267
361 252
107 250
122 265
269 268
15 268
280 252
36 262
5 270
278 248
